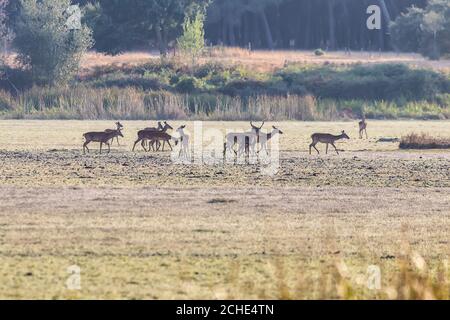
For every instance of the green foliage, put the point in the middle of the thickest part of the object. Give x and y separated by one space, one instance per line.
46 45
192 42
424 30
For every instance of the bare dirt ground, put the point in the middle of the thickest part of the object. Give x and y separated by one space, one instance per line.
140 226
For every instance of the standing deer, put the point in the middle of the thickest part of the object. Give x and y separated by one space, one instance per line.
102 137
362 127
326 138
160 128
269 136
119 126
250 144
184 140
153 136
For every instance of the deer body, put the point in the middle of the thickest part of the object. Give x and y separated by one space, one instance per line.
327 139
362 128
102 137
153 136
269 136
184 140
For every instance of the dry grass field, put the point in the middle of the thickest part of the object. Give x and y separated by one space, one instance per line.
142 227
268 61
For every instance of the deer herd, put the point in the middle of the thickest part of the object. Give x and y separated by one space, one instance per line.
156 138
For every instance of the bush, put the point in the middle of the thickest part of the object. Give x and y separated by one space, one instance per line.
319 52
423 141
44 42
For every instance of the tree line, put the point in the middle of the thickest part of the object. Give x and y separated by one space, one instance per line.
37 30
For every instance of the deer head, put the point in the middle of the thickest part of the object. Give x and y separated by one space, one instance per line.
167 126
180 129
344 135
276 130
119 125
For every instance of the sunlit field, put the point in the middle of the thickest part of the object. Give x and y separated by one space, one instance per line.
140 226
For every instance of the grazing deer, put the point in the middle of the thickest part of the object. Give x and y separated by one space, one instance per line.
184 140
362 127
102 137
153 136
326 138
119 126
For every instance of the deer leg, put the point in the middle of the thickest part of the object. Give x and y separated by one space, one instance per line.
326 149
109 147
85 146
365 130
143 145
117 141
335 148
101 145
314 146
135 143
168 142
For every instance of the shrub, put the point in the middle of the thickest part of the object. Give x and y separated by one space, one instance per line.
423 141
319 52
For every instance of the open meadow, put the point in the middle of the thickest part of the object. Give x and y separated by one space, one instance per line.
142 227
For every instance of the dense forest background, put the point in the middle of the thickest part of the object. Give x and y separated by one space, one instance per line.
121 25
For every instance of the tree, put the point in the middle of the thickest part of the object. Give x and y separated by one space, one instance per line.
433 22
424 30
406 31
46 44
192 42
6 34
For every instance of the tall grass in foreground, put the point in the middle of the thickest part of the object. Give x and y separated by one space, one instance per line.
410 278
130 103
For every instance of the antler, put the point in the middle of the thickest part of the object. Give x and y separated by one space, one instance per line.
253 126
262 124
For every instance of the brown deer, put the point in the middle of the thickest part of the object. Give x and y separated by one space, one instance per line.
153 136
102 137
362 127
326 138
119 126
160 128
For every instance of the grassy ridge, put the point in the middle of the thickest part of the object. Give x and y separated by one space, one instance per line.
172 90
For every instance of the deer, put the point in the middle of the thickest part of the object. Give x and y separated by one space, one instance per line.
160 128
153 136
102 137
328 139
250 144
362 127
119 126
184 140
269 136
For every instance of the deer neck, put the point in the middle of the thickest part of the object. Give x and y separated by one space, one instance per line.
272 134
